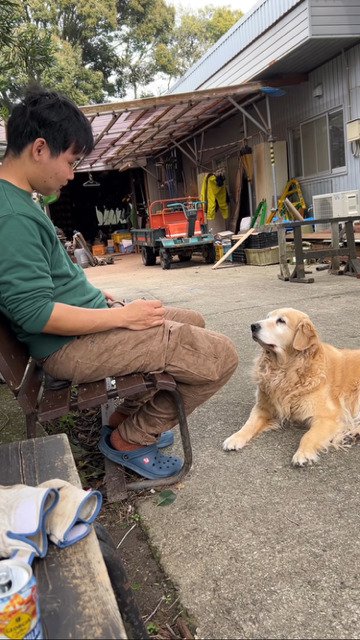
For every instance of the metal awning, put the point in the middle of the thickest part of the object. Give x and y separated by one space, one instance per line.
126 133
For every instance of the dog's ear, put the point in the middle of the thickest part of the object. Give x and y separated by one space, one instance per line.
305 336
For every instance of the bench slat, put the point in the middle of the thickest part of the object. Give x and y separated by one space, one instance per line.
130 385
91 394
163 381
54 404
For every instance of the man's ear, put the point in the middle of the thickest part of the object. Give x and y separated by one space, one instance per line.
305 336
39 148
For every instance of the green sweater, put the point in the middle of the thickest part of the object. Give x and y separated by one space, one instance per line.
36 272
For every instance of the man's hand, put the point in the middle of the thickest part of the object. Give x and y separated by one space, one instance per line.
108 296
67 320
142 314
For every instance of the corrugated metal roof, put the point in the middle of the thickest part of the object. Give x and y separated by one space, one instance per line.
127 132
260 18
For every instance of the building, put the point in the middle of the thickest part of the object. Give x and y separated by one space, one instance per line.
283 83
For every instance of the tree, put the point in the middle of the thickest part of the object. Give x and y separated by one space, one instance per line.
194 33
7 21
94 50
61 44
144 26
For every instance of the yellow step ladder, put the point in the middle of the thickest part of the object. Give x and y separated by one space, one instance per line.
292 187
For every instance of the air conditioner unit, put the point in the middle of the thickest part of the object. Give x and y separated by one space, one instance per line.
336 205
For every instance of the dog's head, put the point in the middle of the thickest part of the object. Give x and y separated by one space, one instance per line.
284 330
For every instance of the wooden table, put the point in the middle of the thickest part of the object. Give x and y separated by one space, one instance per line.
76 596
352 267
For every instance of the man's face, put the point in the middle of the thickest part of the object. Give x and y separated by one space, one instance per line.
51 173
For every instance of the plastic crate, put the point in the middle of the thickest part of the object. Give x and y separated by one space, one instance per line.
239 254
261 240
262 257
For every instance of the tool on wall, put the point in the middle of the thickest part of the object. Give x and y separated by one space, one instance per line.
91 182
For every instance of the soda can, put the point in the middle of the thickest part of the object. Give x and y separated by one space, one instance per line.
19 603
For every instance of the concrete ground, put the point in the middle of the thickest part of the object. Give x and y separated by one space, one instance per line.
257 548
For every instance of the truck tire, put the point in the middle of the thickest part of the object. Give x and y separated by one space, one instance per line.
165 259
148 256
209 254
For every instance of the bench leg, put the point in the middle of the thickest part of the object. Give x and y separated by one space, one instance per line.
31 425
120 583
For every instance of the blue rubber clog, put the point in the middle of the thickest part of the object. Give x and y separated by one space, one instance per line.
165 439
146 461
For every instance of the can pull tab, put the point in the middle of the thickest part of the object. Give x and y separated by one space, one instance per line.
5 579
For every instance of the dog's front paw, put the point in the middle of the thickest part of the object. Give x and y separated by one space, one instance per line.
302 459
234 442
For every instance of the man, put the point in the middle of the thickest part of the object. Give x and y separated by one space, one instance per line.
65 321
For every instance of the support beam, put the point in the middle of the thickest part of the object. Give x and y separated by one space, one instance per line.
244 112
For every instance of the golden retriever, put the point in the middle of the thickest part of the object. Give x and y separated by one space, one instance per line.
302 380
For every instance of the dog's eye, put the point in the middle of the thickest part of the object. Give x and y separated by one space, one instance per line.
280 321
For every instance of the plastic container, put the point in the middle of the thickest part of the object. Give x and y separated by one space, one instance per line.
118 236
81 258
219 251
98 250
262 257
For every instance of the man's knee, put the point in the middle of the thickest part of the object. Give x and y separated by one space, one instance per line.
230 356
185 316
197 319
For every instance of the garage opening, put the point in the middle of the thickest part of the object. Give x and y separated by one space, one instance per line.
101 203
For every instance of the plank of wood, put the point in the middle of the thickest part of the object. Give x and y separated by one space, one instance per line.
91 394
236 245
76 597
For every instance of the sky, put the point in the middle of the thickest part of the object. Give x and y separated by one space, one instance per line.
243 5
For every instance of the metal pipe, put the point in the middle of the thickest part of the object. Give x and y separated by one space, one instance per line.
272 153
244 112
248 182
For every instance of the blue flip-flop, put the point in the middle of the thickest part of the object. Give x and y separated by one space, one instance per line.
146 461
165 439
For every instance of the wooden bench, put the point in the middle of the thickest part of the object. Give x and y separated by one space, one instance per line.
82 588
40 404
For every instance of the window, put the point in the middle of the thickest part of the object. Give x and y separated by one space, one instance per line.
318 145
337 147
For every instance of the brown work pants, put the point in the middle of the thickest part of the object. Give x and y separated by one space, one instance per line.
200 361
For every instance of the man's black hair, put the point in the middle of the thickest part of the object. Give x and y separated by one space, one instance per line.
52 116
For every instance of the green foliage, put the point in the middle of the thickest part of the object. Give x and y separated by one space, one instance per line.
194 33
152 628
7 22
63 44
166 497
94 50
146 25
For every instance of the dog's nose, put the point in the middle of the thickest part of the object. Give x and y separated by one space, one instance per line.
255 327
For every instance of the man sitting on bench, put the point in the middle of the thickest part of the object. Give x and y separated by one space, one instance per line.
65 321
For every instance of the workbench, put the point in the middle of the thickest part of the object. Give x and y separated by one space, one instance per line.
348 248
